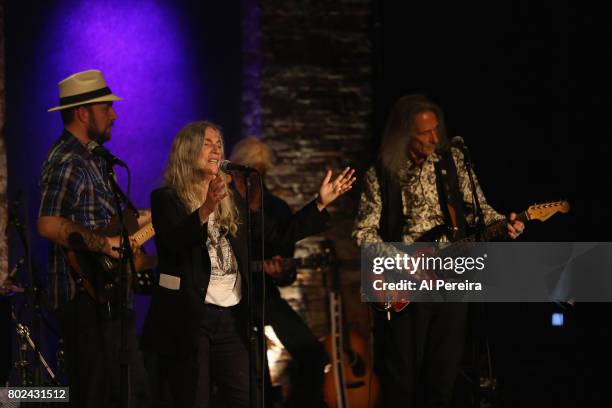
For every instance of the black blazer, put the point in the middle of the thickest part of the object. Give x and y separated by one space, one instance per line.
174 318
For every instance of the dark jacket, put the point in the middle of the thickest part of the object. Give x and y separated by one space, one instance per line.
175 316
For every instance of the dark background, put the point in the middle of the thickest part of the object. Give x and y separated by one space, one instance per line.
523 82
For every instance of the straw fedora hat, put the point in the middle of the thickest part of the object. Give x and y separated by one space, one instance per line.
83 88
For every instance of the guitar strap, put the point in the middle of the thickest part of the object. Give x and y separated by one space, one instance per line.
80 279
451 202
390 225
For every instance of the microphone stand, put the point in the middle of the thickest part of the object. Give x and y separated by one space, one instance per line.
25 341
478 330
126 258
255 331
480 222
32 291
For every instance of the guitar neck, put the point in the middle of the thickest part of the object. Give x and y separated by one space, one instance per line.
338 312
286 263
522 217
144 234
312 261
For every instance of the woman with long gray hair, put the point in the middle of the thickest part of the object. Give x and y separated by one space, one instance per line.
196 324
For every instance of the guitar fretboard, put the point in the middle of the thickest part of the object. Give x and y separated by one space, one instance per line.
144 234
312 261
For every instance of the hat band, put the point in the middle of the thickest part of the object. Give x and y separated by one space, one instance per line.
69 100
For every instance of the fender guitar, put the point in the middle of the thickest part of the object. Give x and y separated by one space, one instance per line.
397 301
98 274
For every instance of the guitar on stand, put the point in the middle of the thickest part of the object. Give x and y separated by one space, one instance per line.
350 382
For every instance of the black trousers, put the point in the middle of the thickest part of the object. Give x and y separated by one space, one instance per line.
418 352
222 357
92 346
307 352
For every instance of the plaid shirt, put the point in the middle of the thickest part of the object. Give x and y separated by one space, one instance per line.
72 186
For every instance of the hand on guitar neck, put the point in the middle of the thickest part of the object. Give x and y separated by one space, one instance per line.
114 244
515 226
92 254
143 220
282 270
77 237
273 267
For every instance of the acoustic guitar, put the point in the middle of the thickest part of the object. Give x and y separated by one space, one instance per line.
350 381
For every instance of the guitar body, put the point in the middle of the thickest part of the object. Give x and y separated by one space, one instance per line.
141 282
350 382
399 300
361 385
143 263
98 274
392 306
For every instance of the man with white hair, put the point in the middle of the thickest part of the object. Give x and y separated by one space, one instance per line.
307 352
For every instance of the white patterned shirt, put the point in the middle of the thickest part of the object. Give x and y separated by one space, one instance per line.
224 288
420 202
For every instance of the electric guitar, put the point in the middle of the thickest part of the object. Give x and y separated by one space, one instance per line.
289 266
98 274
397 300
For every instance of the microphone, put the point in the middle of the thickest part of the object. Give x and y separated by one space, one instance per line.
458 142
13 215
16 267
227 167
18 199
97 150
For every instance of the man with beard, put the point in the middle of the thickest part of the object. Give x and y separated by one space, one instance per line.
76 198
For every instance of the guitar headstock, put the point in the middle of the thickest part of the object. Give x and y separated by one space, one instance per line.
544 211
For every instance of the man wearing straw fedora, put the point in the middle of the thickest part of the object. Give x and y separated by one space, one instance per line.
76 199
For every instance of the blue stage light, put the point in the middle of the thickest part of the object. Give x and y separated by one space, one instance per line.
557 319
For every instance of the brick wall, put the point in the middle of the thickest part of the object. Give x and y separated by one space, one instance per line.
316 107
